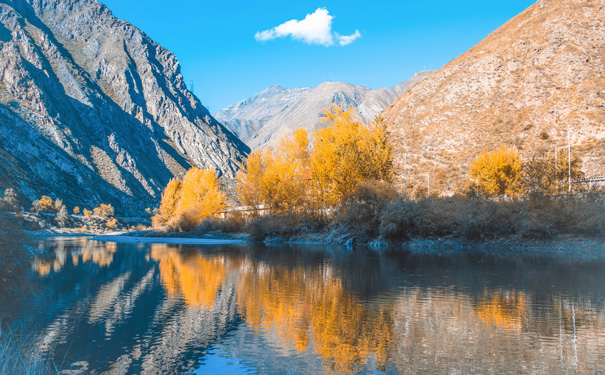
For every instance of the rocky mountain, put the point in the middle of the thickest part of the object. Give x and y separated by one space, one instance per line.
265 118
523 85
246 117
92 110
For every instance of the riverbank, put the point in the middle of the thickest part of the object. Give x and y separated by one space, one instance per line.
571 248
208 241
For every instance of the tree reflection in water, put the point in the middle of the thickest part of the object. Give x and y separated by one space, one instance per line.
161 309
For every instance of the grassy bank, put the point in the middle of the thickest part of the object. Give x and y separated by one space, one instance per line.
375 214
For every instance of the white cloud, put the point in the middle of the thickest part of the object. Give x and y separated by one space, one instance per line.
345 40
315 28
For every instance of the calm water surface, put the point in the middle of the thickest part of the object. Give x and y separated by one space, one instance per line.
103 308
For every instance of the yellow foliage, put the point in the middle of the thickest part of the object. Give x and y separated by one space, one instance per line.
112 224
45 203
170 199
302 305
104 210
186 204
498 173
76 210
346 153
505 311
274 180
87 212
297 176
200 194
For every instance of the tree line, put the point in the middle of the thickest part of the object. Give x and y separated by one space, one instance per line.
317 174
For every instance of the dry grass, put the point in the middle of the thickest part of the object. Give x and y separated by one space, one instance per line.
20 355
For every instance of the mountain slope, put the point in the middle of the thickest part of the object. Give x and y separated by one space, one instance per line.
275 112
102 106
246 117
520 86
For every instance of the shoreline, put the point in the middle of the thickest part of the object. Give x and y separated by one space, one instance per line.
564 247
124 239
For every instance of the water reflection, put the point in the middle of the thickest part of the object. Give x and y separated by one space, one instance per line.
165 309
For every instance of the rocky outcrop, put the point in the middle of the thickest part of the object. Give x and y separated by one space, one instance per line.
265 118
521 86
92 110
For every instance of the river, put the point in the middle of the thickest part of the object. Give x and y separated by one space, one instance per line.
106 308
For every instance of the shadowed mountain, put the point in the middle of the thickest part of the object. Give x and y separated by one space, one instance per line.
92 110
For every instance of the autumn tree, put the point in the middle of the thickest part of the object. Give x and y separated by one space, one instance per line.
104 210
251 188
185 204
497 173
171 197
274 179
346 153
45 203
200 195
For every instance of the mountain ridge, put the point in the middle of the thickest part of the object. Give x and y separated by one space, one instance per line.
288 109
105 100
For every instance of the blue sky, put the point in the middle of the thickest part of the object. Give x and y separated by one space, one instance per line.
216 45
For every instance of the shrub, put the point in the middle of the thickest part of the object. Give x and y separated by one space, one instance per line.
234 222
112 224
12 199
76 210
62 218
361 209
45 203
87 213
283 226
104 210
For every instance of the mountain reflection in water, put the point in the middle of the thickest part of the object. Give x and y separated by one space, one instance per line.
157 309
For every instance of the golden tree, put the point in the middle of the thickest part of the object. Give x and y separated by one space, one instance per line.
252 189
346 152
201 196
498 173
186 204
274 179
171 197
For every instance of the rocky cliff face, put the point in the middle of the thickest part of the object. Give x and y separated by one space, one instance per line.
522 86
93 110
265 118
